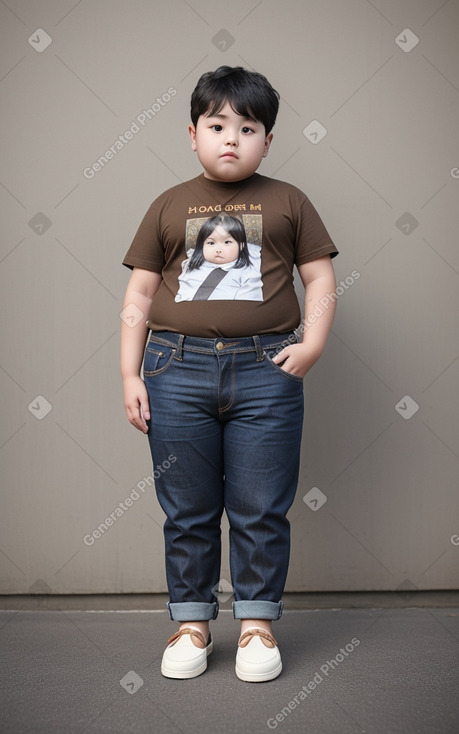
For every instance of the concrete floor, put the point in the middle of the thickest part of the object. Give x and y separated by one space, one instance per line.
78 672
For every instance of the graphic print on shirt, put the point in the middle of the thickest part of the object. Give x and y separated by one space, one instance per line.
223 259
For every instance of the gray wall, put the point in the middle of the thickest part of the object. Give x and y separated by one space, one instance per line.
385 179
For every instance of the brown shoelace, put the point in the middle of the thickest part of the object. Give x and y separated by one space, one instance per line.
244 639
188 631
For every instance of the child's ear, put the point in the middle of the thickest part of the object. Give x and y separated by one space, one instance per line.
192 132
268 141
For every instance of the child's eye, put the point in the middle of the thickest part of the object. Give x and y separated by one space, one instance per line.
247 130
217 128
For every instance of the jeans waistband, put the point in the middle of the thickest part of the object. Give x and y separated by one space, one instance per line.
223 345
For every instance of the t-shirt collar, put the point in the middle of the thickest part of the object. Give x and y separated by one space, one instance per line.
228 186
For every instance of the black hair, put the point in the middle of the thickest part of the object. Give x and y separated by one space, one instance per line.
249 93
234 227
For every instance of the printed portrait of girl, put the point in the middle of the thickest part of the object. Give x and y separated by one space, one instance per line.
223 265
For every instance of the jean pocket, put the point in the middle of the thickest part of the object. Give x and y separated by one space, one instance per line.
157 359
269 354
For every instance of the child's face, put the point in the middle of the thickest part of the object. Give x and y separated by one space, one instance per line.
229 146
220 248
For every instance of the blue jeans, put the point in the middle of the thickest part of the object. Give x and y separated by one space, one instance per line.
225 434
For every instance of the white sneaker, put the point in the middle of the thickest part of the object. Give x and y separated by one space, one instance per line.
258 658
186 654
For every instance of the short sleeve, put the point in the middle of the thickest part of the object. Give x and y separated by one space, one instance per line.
312 239
147 250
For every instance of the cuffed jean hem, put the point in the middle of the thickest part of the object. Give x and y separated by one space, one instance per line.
192 611
257 609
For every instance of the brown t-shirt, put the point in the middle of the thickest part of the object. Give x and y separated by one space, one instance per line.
275 227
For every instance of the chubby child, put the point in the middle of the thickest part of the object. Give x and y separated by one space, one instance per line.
222 383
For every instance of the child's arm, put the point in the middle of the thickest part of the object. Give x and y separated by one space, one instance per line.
319 280
142 286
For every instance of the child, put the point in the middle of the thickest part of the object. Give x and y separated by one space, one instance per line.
223 380
219 267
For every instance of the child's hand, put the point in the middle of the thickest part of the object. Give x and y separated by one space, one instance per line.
297 359
136 402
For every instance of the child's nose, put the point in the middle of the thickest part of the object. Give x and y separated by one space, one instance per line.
231 139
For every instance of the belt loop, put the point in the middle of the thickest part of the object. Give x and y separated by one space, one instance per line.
258 348
179 352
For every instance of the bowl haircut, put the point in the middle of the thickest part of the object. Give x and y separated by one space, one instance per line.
249 93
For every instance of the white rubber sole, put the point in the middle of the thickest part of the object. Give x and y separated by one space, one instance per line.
258 677
185 674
